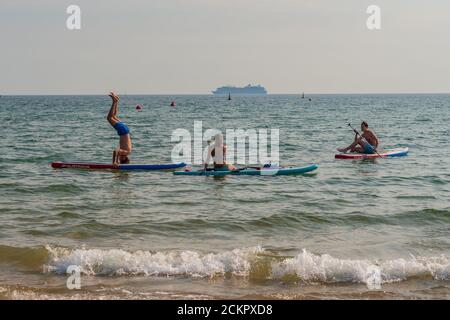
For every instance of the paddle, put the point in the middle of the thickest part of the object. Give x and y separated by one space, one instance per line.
248 167
357 133
267 165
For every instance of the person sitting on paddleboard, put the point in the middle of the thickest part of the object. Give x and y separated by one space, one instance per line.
217 151
120 155
368 143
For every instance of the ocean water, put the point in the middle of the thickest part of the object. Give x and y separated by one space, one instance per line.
356 229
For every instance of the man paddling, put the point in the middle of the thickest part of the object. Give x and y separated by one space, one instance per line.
121 154
366 143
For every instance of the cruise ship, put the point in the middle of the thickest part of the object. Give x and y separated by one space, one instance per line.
249 89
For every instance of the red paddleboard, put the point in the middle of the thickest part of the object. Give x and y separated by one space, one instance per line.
398 152
90 165
79 165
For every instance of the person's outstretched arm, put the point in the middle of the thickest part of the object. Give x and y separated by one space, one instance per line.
114 161
116 155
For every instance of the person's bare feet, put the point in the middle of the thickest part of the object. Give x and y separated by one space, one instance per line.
114 96
343 150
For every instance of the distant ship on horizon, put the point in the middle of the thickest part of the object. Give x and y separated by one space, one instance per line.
249 89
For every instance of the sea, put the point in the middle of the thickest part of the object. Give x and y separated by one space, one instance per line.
354 229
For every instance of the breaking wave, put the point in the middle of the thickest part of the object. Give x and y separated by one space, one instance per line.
254 263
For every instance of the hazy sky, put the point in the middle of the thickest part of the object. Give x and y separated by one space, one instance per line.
194 46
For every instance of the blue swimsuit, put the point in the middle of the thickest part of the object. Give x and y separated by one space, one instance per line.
368 148
121 128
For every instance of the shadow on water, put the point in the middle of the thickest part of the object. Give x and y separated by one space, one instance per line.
365 161
121 176
367 167
121 189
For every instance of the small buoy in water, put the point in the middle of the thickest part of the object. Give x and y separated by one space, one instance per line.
173 104
139 107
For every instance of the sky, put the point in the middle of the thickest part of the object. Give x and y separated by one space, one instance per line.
194 46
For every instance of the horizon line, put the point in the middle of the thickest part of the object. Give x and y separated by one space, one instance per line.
211 94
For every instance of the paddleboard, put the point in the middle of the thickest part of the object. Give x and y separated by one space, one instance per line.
271 171
107 166
397 152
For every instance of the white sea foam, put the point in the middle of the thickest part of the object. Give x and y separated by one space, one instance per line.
120 262
325 268
238 262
